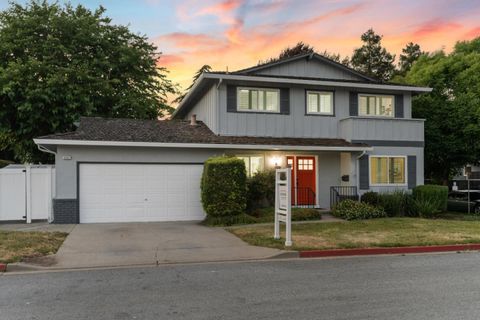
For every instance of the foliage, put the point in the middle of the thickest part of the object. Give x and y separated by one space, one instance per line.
451 110
425 207
409 55
204 68
370 198
223 187
394 203
372 59
60 62
229 220
354 210
261 190
299 48
431 195
4 163
298 214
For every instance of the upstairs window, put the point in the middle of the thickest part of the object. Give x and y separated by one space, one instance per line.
376 105
319 102
258 99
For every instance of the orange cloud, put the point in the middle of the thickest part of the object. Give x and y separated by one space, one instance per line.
435 26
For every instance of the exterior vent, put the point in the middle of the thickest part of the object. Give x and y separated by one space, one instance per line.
193 120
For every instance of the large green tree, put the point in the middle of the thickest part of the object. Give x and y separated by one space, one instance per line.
409 55
372 59
60 62
451 110
204 68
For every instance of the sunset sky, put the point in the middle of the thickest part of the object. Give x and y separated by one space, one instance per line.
239 33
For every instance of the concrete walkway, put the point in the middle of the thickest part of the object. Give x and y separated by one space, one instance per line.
124 244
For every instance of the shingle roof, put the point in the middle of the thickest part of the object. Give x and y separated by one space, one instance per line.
176 131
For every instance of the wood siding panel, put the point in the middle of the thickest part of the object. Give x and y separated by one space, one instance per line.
207 110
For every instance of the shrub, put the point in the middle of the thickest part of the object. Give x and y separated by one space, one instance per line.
305 214
370 198
353 210
394 203
261 190
432 194
229 220
223 187
425 208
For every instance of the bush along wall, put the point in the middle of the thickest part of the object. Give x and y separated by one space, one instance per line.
261 190
428 200
223 188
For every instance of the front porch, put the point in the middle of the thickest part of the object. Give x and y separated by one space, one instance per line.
320 179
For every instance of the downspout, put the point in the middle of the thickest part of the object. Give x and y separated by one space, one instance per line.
217 107
43 149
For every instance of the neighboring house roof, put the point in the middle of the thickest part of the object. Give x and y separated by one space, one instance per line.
180 132
309 56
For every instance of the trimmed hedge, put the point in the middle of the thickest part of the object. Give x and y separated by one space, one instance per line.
370 198
261 190
394 203
223 187
436 196
354 210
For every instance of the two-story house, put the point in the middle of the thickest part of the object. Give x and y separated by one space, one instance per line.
334 126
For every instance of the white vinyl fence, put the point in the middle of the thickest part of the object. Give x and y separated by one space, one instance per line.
26 192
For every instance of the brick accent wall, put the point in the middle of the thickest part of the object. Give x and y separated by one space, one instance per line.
65 211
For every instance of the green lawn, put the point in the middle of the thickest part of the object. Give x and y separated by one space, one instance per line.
387 232
16 246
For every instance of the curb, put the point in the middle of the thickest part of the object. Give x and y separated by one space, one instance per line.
3 267
392 250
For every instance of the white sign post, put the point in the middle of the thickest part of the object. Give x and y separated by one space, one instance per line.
283 203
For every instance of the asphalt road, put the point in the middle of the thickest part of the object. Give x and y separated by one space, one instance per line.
445 286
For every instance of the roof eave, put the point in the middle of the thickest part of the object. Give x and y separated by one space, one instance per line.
198 145
317 82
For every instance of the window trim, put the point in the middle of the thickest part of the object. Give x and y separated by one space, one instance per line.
250 156
405 184
323 114
376 95
257 110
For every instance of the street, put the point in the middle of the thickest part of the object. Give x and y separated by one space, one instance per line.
443 286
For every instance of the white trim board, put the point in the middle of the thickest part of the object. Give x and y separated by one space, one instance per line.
193 145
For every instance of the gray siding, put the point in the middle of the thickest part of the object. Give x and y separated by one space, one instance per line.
66 170
361 128
206 109
309 68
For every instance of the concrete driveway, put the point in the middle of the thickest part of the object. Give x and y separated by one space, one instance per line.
124 244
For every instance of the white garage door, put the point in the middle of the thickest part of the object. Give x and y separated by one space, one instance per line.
139 192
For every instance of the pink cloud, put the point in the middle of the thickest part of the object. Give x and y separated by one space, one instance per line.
435 26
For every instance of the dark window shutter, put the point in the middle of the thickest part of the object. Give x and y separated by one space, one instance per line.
412 171
285 101
399 106
353 104
231 99
364 173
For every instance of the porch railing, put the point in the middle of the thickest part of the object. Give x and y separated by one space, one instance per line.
305 197
340 193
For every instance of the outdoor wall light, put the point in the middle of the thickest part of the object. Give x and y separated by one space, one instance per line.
276 161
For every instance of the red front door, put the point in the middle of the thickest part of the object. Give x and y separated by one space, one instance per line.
303 179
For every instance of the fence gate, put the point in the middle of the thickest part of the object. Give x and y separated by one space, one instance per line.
26 192
283 203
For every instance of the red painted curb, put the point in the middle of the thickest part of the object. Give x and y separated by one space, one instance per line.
3 267
393 250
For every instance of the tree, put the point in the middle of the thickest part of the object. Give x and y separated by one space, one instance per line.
299 48
409 55
62 62
204 68
372 59
451 110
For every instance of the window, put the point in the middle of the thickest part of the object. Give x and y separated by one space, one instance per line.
305 164
253 164
387 170
376 105
257 99
320 102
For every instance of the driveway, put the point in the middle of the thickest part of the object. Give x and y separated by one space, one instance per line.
124 244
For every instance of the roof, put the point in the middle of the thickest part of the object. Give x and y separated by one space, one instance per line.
208 79
310 56
165 132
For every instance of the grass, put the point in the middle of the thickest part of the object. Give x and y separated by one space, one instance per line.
264 215
17 246
386 232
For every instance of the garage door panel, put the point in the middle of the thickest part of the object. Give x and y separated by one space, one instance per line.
139 192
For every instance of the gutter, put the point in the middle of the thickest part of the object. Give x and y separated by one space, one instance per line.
195 145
